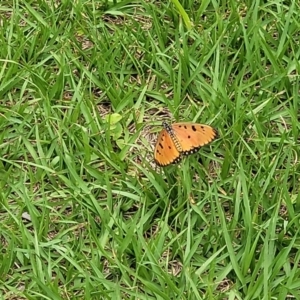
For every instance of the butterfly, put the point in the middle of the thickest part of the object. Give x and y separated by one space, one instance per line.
181 139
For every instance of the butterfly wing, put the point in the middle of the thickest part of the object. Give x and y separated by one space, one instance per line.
193 136
165 152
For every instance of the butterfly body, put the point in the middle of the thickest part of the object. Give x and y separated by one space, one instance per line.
180 139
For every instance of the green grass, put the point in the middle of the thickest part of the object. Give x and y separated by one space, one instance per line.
84 87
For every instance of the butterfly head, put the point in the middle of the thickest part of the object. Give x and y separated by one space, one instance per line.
167 127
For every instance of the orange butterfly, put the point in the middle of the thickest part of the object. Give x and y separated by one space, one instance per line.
180 139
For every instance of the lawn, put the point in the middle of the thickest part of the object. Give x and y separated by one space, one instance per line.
85 213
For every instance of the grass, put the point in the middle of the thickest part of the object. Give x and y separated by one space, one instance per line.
84 87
